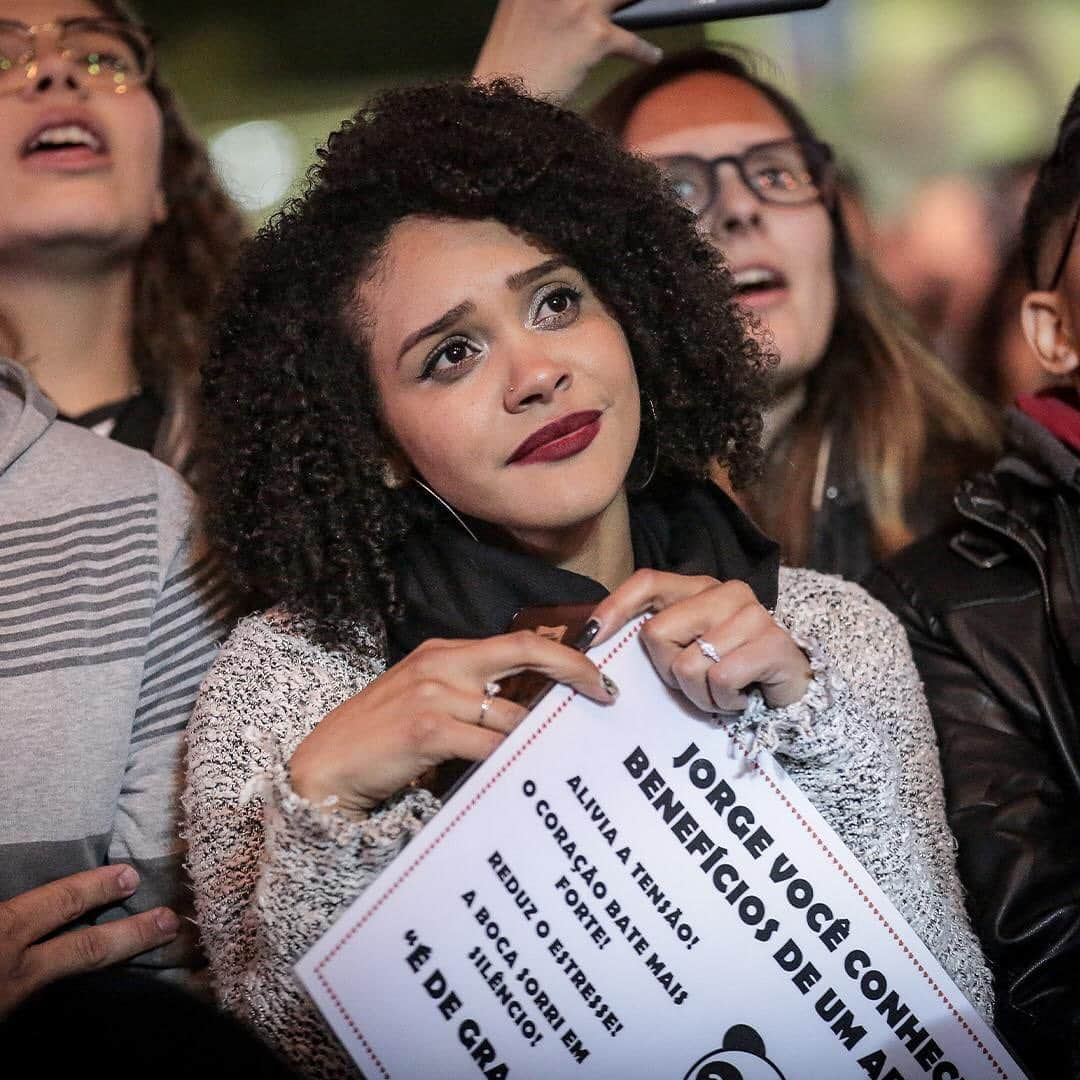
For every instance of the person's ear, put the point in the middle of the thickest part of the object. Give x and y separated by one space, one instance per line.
1049 332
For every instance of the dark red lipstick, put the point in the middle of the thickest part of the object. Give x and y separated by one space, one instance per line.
560 439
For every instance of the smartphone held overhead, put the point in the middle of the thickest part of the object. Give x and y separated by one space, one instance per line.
646 13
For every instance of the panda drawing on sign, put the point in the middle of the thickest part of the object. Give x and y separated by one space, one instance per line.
741 1057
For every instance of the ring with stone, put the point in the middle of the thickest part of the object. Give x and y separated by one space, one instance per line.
708 650
491 689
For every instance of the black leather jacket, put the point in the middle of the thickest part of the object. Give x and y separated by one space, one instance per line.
992 609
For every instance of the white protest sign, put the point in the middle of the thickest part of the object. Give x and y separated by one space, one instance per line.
625 892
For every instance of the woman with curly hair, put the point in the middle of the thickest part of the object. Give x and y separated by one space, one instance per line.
114 232
866 432
485 362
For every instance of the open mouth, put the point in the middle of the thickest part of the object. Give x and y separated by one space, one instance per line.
752 281
63 139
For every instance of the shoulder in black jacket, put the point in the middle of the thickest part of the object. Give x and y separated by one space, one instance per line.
992 609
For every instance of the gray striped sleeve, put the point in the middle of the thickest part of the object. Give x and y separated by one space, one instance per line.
191 616
190 619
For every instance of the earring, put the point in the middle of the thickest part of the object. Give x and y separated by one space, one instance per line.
634 489
394 476
442 502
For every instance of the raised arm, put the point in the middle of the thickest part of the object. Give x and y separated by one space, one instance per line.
553 44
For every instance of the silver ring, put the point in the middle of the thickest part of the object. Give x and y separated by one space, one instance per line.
491 689
708 650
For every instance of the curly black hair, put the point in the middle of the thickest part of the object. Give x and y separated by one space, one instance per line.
1056 191
295 457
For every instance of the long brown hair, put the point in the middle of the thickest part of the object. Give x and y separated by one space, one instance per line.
897 397
180 268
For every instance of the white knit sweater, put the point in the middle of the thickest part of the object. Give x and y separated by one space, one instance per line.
272 872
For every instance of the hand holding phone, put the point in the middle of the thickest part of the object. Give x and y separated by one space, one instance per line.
551 45
567 624
644 13
440 703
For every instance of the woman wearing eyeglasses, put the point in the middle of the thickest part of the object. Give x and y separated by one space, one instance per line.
867 432
114 232
993 612
113 237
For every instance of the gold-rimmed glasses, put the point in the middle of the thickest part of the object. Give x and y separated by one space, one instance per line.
109 55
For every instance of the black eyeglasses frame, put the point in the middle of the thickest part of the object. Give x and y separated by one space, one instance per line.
817 156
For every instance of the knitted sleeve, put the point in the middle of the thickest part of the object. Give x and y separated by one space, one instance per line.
271 870
861 746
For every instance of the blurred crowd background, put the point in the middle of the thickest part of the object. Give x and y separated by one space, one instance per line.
937 109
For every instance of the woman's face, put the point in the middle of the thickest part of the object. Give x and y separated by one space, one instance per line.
78 167
781 256
503 380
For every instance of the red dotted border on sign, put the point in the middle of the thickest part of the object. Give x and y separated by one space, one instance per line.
752 763
434 843
498 775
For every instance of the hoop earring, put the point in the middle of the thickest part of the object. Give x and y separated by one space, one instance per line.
656 448
439 499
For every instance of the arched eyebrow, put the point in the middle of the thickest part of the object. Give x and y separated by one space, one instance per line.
443 322
515 283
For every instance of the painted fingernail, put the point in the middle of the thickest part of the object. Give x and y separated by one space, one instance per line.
609 686
127 880
166 921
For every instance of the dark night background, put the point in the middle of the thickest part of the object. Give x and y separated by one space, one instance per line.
903 88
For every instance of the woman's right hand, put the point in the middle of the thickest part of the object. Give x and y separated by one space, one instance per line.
425 710
552 44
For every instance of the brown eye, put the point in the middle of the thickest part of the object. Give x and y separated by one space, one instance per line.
555 306
782 179
449 358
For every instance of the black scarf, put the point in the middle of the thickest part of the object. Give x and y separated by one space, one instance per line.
454 587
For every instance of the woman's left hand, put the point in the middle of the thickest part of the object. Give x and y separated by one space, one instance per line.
710 639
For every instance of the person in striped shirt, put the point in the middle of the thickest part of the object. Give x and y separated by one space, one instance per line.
110 614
